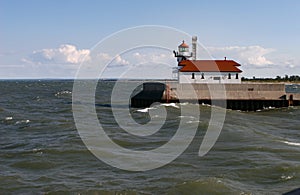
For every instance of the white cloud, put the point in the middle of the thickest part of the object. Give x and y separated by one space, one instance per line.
159 56
64 60
132 59
118 60
258 61
65 54
246 55
115 61
141 63
104 56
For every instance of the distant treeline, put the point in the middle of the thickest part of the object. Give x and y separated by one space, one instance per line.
286 78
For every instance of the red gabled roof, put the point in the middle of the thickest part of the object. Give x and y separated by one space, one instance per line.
209 66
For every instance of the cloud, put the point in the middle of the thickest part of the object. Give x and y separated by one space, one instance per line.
120 61
136 58
112 61
69 55
65 60
104 56
141 63
64 54
246 55
160 56
258 61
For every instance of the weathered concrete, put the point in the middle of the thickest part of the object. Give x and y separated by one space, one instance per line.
227 91
245 96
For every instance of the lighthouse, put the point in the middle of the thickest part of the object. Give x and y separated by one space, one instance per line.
183 52
192 70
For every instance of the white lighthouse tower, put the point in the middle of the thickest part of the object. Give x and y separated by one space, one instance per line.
183 52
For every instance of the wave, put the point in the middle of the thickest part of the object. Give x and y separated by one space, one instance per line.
291 143
22 122
191 117
184 103
145 109
189 122
205 186
269 108
170 105
287 177
35 165
8 118
62 93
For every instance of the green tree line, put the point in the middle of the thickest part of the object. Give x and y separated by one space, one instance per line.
286 78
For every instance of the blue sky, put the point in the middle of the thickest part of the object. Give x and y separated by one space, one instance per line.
263 35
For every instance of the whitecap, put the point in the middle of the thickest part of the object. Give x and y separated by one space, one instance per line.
9 118
144 110
23 121
191 117
190 122
269 108
291 143
63 93
170 105
184 104
288 177
208 105
37 151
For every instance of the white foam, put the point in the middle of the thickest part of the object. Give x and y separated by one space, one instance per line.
191 117
269 108
291 143
184 103
37 151
23 121
63 92
145 109
170 105
208 105
8 118
284 177
189 122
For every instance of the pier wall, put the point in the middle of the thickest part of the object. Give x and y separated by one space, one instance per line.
227 91
245 96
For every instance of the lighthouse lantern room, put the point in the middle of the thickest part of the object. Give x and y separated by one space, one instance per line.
183 52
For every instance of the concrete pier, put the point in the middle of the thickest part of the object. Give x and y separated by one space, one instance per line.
245 96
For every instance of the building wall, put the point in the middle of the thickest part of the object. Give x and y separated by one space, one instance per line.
208 77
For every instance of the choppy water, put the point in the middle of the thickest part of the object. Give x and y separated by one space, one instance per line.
42 153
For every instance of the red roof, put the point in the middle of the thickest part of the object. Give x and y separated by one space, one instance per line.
183 44
209 66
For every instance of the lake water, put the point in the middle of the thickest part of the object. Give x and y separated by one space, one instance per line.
41 151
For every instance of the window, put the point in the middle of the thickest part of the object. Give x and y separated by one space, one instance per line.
183 49
217 78
202 76
193 75
229 76
237 76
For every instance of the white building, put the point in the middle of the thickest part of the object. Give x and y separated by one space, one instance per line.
204 71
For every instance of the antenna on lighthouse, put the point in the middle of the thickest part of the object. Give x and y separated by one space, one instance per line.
194 47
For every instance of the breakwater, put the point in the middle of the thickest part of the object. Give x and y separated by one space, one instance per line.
245 96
